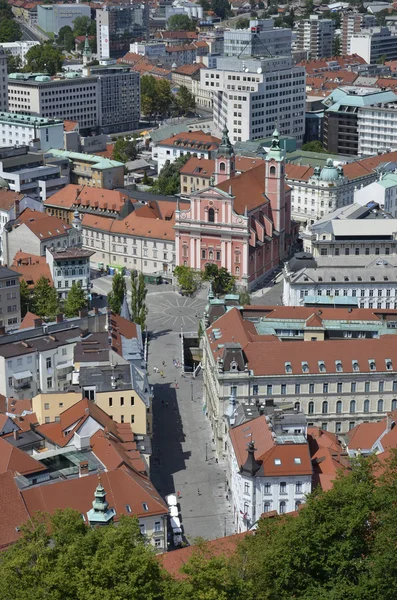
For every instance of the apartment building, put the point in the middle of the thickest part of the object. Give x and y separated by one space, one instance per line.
119 101
341 120
21 130
337 366
144 240
273 471
353 23
11 205
3 81
377 127
364 281
118 25
68 266
90 170
384 190
190 142
261 38
10 302
374 43
315 36
70 97
251 96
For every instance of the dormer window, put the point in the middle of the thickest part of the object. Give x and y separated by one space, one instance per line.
321 366
372 364
355 365
288 367
346 279
359 278
320 278
233 366
333 279
338 366
389 364
305 367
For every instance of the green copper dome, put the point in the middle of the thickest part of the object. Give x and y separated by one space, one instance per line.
329 172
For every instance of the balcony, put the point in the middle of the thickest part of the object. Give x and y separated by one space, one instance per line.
22 380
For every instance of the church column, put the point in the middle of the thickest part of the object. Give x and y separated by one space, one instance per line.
198 252
223 254
229 256
191 252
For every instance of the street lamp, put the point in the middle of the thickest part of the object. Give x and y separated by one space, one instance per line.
191 391
206 451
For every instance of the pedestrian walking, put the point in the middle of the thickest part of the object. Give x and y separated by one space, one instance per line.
163 363
198 492
179 495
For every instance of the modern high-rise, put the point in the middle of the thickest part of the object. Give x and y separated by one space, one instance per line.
315 36
260 39
374 44
3 82
353 23
119 25
251 96
71 97
119 100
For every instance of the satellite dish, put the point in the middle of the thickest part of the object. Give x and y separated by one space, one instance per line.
259 70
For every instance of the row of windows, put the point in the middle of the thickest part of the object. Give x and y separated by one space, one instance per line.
267 488
312 388
353 406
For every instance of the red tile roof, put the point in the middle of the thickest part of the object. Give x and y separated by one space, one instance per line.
42 225
191 139
124 487
113 454
31 267
318 64
13 510
259 431
121 327
189 70
15 460
328 457
70 126
8 199
205 167
17 407
175 560
28 320
74 195
364 435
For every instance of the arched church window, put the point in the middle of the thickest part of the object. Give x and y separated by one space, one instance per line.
272 170
211 215
222 167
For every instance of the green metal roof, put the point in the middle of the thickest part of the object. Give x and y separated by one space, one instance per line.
97 161
27 120
351 96
388 180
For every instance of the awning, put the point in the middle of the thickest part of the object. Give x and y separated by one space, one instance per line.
171 500
173 511
175 523
22 375
65 365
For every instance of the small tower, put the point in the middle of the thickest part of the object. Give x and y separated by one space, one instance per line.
76 224
100 513
224 159
275 182
87 54
251 466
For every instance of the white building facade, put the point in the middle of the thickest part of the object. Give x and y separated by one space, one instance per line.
373 43
252 96
377 127
19 48
315 36
383 192
21 130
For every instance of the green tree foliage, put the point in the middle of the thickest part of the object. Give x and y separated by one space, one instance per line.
25 295
156 96
76 300
244 298
336 47
14 63
168 181
180 23
222 281
9 29
116 296
205 4
138 299
185 100
315 146
83 26
221 8
242 23
60 558
188 279
65 38
125 149
44 58
45 299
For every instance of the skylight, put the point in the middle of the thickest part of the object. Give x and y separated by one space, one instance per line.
297 461
145 506
277 461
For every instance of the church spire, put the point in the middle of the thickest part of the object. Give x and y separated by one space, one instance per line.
224 159
86 51
100 513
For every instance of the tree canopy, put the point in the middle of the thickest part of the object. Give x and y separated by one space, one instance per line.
14 63
25 296
125 149
138 299
221 8
76 300
84 25
45 299
180 23
242 23
188 279
168 181
184 100
9 28
156 96
222 281
315 146
44 58
65 38
116 296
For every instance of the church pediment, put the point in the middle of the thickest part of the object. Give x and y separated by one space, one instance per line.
213 193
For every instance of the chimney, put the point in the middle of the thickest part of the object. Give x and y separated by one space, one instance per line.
59 318
83 468
95 310
16 208
37 323
15 434
83 313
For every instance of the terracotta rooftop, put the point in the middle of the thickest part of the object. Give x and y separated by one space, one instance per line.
73 196
31 267
196 140
43 226
318 64
121 327
205 167
177 35
8 199
326 314
259 432
13 510
124 488
28 320
175 560
17 407
328 457
114 454
15 460
189 69
266 355
70 126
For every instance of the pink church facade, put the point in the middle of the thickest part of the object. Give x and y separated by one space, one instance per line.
242 223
